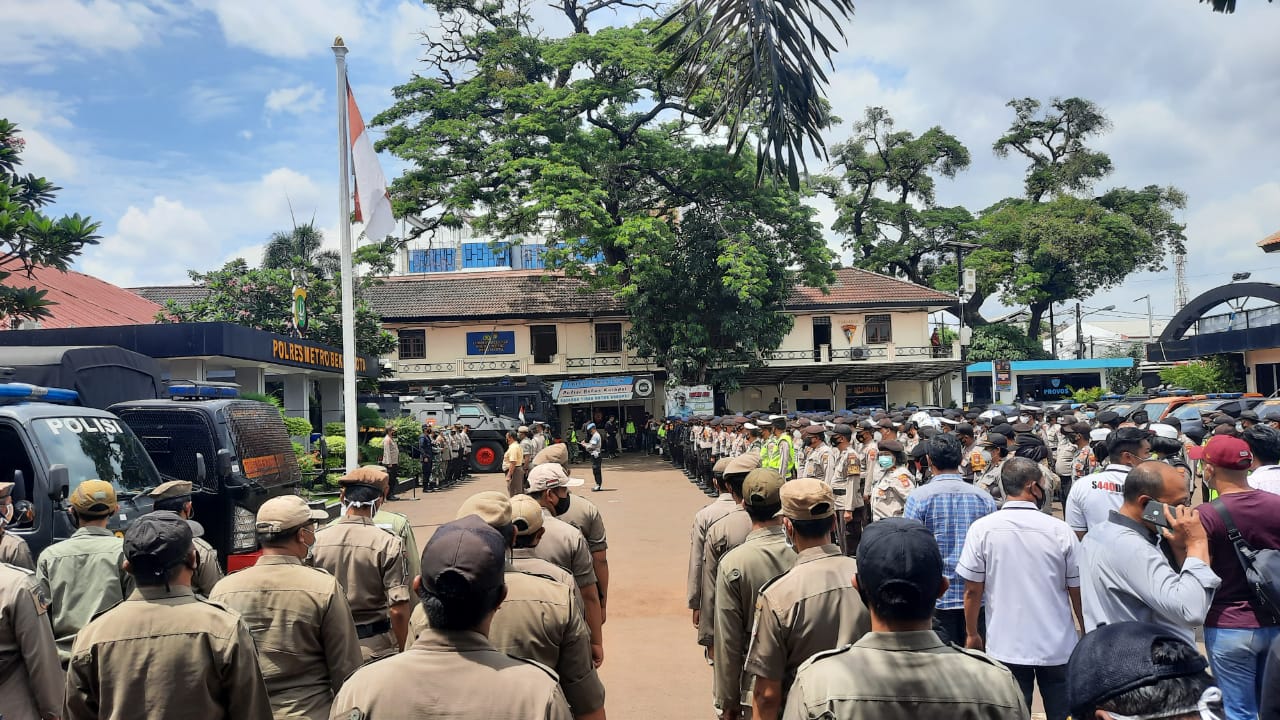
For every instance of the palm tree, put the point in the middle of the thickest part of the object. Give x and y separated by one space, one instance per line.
299 249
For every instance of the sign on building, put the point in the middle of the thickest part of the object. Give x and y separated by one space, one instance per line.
684 401
497 342
602 390
1003 371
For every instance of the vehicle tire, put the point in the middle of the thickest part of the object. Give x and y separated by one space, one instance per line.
486 457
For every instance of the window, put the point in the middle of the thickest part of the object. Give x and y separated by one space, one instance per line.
609 338
821 336
413 344
879 329
542 338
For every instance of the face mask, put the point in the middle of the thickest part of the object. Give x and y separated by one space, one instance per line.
885 461
1044 497
1025 418
562 505
786 537
6 516
877 436
986 457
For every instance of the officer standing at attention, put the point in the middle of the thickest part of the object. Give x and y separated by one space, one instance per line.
527 517
724 535
540 619
13 549
901 670
30 676
584 515
818 456
298 615
175 496
743 571
703 519
453 670
368 562
812 608
84 575
199 656
564 545
396 524
845 479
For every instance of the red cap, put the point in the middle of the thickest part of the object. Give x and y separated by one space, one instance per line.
1228 452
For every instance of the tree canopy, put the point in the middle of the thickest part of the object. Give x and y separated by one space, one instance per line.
589 143
28 237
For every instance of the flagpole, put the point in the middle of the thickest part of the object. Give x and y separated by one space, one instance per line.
348 272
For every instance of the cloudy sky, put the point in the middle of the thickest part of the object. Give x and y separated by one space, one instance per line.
190 128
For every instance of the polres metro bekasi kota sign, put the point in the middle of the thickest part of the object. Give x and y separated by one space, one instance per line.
602 390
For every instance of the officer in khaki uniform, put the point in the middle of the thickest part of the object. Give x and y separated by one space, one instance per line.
845 479
540 618
453 669
298 615
703 519
817 455
564 545
895 483
584 515
528 536
743 571
175 496
30 676
902 670
369 563
13 549
811 608
398 525
164 653
84 574
724 535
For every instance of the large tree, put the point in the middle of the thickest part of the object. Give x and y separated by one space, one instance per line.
586 142
28 237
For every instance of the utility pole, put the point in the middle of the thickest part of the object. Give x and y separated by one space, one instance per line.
1053 334
1079 335
961 248
1150 324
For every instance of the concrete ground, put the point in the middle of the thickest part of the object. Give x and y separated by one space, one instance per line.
652 668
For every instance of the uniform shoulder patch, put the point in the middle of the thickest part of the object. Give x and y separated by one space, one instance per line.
550 673
824 654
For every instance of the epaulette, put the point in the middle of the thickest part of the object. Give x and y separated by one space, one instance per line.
976 654
824 654
769 582
106 610
538 575
550 673
219 605
19 567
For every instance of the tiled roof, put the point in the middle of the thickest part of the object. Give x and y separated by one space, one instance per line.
1270 243
84 301
182 294
862 288
498 294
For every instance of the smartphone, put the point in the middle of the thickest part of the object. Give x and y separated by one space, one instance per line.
1154 513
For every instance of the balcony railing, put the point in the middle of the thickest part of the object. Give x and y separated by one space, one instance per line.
594 361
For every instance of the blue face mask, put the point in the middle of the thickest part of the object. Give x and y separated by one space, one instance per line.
885 461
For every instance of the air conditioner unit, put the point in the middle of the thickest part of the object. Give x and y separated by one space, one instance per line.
859 353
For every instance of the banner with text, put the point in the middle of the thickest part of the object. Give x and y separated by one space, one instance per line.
602 390
684 401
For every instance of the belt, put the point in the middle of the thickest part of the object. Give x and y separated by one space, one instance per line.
377 627
839 491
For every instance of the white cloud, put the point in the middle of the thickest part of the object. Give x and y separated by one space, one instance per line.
245 134
45 31
158 242
40 117
204 103
299 100
291 28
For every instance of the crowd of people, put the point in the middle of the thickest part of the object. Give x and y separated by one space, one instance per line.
995 555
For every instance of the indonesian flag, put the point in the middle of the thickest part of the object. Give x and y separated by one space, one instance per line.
373 206
522 413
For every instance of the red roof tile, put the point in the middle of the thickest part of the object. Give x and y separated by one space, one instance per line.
84 301
862 288
1270 243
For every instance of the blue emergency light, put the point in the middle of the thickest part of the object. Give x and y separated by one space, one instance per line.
25 392
1224 396
192 390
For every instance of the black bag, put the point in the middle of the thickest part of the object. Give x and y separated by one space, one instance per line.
1261 567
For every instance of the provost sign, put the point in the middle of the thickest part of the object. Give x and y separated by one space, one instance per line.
602 390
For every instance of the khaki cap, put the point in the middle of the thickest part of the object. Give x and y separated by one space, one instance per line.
492 506
549 476
742 464
372 475
721 464
5 489
94 498
286 512
171 490
762 488
526 515
808 499
557 453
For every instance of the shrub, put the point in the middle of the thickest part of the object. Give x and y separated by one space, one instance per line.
1202 376
368 417
335 428
337 445
298 427
1087 395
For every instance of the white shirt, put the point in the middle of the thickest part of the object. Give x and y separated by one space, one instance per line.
1027 560
1266 478
1093 497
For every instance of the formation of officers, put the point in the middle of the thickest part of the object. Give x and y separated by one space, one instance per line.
499 617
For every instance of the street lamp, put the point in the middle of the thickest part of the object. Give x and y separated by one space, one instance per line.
961 248
1079 331
1147 297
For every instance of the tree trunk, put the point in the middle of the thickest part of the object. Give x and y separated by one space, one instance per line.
1037 314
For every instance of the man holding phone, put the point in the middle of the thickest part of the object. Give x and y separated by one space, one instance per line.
1127 573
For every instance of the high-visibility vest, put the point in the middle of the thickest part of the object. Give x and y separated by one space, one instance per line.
662 431
631 428
770 457
790 453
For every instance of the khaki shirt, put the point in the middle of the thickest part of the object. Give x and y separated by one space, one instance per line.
562 544
400 526
300 620
702 520
541 620
817 462
208 571
165 655
726 534
584 515
452 674
30 676
523 560
813 607
904 676
743 571
82 576
369 564
889 495
14 551
845 477
990 481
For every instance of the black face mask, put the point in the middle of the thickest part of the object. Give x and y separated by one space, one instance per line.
562 505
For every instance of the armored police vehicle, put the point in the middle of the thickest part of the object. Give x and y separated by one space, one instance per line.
487 429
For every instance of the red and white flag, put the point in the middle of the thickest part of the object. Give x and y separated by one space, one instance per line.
522 413
373 206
